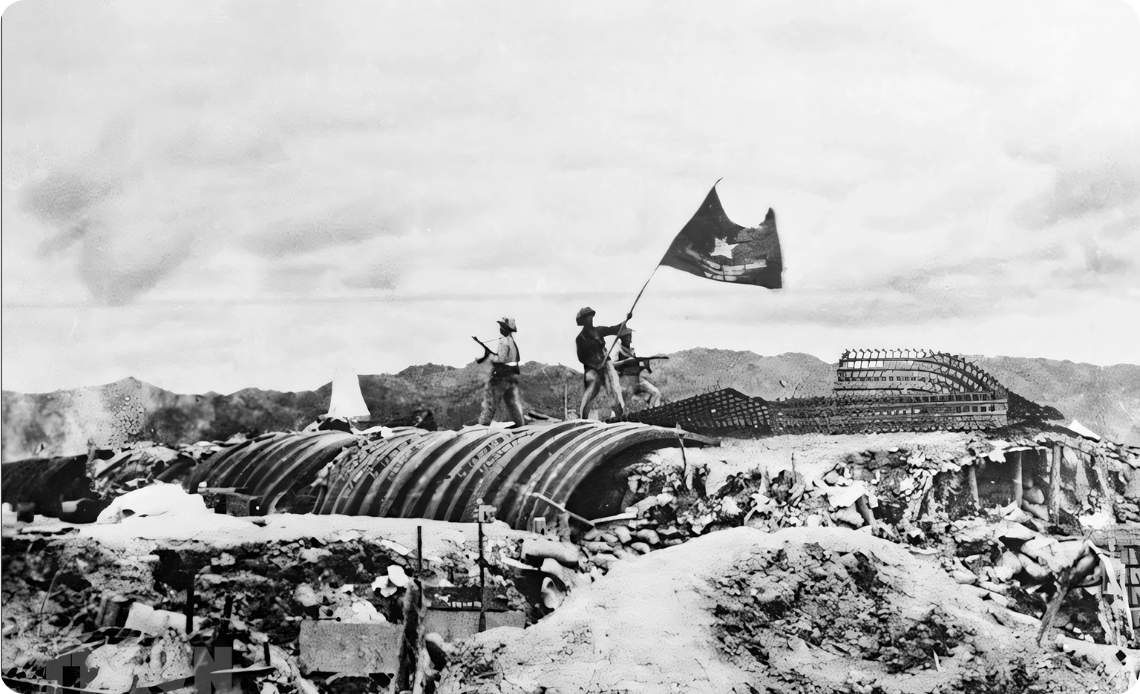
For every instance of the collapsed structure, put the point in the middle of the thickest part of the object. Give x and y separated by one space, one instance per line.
875 390
293 554
526 473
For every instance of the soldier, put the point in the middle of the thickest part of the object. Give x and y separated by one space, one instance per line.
598 370
504 379
632 369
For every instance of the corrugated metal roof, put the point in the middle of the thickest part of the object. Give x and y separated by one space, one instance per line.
439 475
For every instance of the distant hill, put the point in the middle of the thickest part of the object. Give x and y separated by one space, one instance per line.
1106 399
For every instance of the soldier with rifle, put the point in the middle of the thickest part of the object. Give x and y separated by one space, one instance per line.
504 379
632 369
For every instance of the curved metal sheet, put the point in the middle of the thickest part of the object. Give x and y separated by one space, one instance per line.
502 490
387 470
433 475
442 475
352 493
464 474
593 453
216 469
317 452
507 471
545 482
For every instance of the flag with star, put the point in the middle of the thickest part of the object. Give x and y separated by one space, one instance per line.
713 246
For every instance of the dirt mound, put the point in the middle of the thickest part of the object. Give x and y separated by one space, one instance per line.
800 610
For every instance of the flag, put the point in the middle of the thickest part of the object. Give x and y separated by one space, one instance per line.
712 245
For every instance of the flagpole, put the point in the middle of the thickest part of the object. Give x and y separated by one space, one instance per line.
630 311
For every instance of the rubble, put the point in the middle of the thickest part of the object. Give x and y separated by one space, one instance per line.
797 610
981 518
291 574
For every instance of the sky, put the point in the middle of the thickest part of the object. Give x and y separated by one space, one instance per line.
215 195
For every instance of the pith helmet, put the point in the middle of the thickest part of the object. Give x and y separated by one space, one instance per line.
587 311
508 323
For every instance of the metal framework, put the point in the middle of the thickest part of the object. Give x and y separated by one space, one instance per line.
717 413
875 391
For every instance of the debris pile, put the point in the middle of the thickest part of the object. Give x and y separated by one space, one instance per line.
805 610
785 599
117 471
904 493
788 593
1014 566
256 581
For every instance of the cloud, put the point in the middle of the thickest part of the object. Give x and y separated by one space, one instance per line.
63 197
248 159
1081 189
292 238
1123 227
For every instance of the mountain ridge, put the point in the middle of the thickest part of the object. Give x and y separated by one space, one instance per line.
63 422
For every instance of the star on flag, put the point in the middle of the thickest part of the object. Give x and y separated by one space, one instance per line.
723 248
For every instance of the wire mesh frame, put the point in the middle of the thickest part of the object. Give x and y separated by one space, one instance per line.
729 410
721 410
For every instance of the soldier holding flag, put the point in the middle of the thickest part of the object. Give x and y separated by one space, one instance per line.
598 370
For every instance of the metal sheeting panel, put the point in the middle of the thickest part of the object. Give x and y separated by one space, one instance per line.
271 465
440 475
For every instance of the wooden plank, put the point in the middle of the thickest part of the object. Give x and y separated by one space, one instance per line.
1018 482
972 482
1055 482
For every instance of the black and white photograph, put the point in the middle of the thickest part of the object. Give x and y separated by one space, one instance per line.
546 347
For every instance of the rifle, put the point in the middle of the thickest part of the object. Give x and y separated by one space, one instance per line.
640 361
487 350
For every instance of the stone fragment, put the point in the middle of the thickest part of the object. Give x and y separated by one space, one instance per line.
604 560
645 504
640 547
555 569
623 535
648 536
965 577
397 576
1039 511
999 599
541 548
552 595
356 649
1035 570
151 621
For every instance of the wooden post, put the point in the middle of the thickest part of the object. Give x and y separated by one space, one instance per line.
482 583
864 509
189 607
972 483
1018 489
420 550
1055 483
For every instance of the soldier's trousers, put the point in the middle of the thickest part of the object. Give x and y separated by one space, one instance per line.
507 388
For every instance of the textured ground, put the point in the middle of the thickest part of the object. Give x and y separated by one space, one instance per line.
801 610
